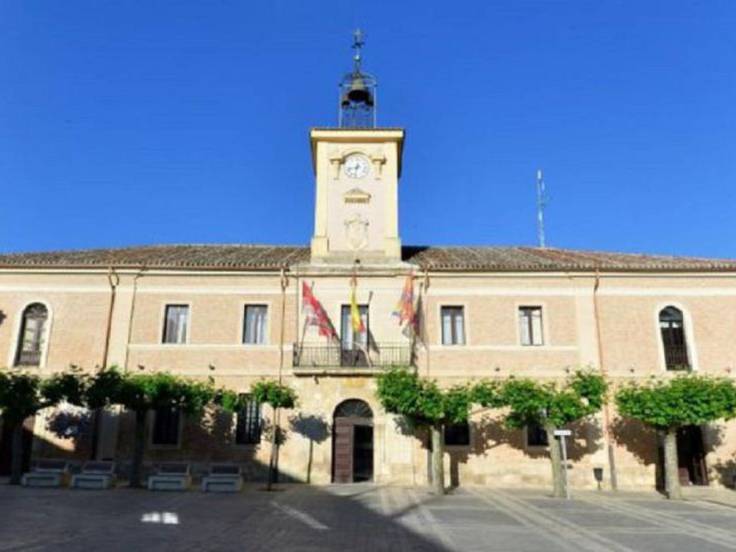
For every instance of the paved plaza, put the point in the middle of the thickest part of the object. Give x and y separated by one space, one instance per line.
357 518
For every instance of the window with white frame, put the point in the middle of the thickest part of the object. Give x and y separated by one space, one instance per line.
248 422
255 325
453 325
530 326
176 323
32 336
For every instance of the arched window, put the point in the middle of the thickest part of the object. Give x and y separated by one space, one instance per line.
672 328
33 329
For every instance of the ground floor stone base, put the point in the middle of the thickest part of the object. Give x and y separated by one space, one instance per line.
321 444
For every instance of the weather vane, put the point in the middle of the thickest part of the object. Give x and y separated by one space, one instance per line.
358 42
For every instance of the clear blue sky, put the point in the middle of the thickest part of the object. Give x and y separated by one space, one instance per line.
125 123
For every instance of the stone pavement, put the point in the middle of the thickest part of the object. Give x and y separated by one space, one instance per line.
357 518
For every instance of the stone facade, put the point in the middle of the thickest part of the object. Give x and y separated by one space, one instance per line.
599 311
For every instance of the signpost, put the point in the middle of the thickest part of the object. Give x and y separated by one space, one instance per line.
562 433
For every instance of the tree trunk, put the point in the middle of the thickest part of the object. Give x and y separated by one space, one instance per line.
139 447
16 458
274 451
671 469
558 489
438 465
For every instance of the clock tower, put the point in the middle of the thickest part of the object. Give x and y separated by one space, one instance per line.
357 168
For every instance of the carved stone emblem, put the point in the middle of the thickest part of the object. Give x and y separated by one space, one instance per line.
356 231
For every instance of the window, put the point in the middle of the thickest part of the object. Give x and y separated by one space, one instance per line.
530 326
248 424
254 330
348 337
453 326
536 436
457 435
166 426
672 328
31 339
176 323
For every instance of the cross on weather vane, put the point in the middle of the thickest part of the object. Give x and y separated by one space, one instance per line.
358 42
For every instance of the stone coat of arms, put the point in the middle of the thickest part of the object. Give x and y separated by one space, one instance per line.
356 231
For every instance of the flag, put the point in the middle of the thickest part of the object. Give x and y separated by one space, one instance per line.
314 313
355 318
405 307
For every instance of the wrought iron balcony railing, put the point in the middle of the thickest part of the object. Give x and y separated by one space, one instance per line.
337 356
675 357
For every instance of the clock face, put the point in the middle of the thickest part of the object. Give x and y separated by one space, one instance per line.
356 166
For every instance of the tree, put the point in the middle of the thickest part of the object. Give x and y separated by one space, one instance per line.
23 395
277 395
141 393
424 404
672 404
550 405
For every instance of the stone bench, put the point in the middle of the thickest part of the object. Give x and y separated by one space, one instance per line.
95 475
223 478
174 476
47 473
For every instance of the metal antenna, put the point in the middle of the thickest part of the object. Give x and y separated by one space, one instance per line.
541 203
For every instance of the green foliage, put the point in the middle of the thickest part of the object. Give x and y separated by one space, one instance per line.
487 393
103 389
403 392
69 386
684 400
274 393
530 401
143 392
20 396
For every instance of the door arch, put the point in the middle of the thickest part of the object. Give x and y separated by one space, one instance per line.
352 442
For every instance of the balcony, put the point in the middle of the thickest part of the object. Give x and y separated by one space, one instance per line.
675 357
322 358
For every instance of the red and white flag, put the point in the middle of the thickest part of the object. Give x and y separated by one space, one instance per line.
315 315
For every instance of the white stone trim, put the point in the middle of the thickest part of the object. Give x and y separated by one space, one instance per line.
692 353
15 343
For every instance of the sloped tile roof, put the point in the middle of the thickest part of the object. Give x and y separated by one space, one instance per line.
270 257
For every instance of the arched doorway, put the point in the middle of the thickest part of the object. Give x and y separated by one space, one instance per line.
352 442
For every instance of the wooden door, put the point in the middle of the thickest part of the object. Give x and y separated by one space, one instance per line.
343 451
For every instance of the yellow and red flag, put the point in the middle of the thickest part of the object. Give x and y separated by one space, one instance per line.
355 318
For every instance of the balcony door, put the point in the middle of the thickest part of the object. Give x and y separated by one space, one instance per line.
353 345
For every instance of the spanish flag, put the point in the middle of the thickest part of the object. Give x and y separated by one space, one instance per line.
355 318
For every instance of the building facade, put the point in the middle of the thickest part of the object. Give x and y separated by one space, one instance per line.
235 313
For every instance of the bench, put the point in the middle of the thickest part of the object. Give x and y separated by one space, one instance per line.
223 478
173 476
47 473
95 475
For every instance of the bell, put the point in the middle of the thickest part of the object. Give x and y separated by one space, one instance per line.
358 93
